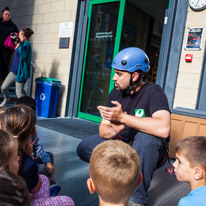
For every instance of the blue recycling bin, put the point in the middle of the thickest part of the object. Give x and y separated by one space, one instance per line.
46 96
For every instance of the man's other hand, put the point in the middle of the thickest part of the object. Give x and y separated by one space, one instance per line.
111 113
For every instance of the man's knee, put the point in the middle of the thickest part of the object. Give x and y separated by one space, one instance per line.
81 151
143 140
86 147
149 147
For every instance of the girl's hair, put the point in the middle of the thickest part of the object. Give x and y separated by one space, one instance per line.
5 9
28 101
13 190
2 110
27 32
7 147
19 120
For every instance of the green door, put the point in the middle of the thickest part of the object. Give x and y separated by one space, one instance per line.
105 19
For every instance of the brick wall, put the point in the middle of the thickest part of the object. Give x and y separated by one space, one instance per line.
44 17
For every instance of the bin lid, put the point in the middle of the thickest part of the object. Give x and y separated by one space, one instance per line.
47 79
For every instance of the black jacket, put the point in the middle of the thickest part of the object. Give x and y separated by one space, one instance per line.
5 29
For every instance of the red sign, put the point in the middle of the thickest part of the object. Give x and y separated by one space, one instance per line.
188 57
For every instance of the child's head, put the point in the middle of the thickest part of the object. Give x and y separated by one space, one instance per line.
20 121
25 34
13 190
9 159
190 161
114 171
28 101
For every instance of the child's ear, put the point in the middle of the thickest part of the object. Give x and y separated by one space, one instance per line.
91 186
198 173
33 130
140 179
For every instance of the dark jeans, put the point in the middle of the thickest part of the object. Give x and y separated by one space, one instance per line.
5 56
42 167
150 149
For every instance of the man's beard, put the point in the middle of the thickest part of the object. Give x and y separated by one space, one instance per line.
120 89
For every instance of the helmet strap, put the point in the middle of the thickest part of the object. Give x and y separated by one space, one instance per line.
132 84
131 87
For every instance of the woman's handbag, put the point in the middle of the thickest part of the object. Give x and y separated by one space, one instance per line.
9 43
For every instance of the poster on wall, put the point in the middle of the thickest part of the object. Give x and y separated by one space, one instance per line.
194 38
65 29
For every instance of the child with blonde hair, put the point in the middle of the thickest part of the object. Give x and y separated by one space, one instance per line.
114 172
20 121
43 159
190 166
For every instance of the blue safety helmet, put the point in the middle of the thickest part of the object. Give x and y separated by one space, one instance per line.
131 59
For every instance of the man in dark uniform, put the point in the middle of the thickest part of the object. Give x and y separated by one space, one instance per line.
136 112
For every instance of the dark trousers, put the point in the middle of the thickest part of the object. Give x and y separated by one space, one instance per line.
150 149
5 57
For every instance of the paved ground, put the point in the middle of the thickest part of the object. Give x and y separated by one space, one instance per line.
71 173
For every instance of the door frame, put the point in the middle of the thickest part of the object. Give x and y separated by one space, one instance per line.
116 49
171 46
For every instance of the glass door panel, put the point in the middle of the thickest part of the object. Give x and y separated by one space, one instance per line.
99 51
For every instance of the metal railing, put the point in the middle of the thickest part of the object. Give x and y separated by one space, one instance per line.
29 82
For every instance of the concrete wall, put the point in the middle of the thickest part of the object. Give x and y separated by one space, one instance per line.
44 17
189 73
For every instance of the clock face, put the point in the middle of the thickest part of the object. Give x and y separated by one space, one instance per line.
197 4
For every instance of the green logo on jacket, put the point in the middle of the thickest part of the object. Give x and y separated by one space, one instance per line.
139 113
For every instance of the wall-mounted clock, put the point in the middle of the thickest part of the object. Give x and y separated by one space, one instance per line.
197 5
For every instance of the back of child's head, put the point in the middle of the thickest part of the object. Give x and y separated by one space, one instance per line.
28 101
194 150
8 145
13 190
19 120
114 170
27 32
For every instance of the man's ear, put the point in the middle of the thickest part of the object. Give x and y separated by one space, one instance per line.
135 76
198 173
91 186
140 179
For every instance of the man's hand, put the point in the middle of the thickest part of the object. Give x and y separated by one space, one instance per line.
50 168
111 113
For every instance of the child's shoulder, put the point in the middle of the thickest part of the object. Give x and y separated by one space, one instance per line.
196 197
27 162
